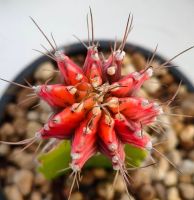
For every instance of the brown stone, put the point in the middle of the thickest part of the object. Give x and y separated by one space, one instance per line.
36 196
45 72
4 149
127 69
32 128
168 79
187 167
171 178
146 192
187 191
33 115
187 137
15 111
99 173
191 155
152 85
11 171
125 196
87 178
161 169
24 180
20 126
127 60
22 159
76 196
187 105
119 185
142 177
161 191
105 191
175 157
139 61
173 194
39 179
45 189
12 193
185 178
25 101
7 129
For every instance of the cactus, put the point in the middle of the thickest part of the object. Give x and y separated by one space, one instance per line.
96 108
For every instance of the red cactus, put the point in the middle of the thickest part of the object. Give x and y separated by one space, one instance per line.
105 115
96 108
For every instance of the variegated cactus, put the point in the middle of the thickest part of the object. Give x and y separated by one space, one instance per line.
97 108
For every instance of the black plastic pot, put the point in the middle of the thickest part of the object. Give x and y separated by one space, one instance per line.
74 50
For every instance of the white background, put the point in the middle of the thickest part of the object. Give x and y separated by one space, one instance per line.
170 23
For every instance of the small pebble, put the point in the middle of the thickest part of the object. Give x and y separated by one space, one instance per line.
7 129
146 192
45 107
125 196
167 79
12 193
187 137
178 127
155 64
87 178
44 117
32 128
142 93
128 69
99 173
24 180
175 157
139 61
141 177
187 167
36 196
185 178
127 60
187 191
187 105
22 159
152 85
161 170
3 173
11 171
45 189
45 72
4 149
15 111
33 116
119 185
171 178
24 101
191 155
173 194
20 126
76 196
161 191
39 179
183 91
105 191
172 140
